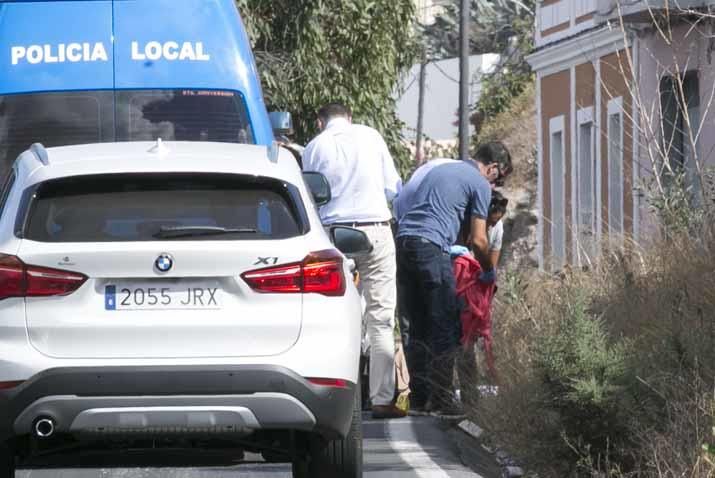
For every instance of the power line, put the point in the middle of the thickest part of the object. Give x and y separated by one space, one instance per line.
412 82
446 75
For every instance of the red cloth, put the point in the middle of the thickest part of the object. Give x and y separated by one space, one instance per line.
477 314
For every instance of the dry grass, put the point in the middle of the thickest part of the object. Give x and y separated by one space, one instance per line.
516 128
645 400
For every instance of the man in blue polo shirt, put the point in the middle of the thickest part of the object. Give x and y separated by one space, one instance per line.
403 201
450 196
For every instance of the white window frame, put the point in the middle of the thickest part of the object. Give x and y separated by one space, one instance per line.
572 160
586 116
599 157
615 108
540 167
557 125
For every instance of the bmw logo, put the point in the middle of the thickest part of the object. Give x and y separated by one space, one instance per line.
164 263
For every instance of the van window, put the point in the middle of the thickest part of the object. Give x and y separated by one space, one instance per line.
182 115
152 207
68 118
53 119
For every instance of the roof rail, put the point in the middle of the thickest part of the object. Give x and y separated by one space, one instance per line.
274 151
40 153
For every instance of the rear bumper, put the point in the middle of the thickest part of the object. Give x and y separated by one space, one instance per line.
175 400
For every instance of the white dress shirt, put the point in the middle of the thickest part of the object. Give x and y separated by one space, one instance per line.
361 173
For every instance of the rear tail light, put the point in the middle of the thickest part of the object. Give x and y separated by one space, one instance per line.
18 279
329 382
323 273
13 282
319 273
9 385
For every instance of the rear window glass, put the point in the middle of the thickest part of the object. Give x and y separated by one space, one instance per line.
54 119
163 207
182 115
80 117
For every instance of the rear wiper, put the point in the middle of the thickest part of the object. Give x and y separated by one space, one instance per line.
196 231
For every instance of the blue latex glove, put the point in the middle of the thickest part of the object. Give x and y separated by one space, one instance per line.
457 251
488 277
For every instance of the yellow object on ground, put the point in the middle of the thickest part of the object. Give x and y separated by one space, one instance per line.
403 379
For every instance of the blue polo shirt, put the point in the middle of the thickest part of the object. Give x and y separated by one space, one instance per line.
448 194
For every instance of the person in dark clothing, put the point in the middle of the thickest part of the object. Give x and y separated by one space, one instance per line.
476 317
450 195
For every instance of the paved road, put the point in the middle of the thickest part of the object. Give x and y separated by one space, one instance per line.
408 448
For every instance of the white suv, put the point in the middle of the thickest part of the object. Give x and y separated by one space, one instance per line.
175 297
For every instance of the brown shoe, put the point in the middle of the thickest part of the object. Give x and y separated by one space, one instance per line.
382 412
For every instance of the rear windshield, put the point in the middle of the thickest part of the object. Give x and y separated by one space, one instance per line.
182 115
162 207
82 117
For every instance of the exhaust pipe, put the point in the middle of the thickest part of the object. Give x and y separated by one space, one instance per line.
44 428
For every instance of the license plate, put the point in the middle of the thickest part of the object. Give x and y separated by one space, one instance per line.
188 296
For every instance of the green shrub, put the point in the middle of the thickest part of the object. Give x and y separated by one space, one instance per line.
583 372
610 372
709 452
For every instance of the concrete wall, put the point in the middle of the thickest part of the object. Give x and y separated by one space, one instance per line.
441 96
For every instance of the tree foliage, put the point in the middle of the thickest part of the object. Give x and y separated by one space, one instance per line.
505 27
493 24
310 52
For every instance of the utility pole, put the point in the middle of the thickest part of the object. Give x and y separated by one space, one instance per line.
464 80
421 111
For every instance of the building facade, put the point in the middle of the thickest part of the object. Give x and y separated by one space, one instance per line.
427 10
605 127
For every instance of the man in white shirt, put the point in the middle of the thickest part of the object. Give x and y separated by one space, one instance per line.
362 176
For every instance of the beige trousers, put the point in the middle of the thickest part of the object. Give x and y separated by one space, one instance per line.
378 270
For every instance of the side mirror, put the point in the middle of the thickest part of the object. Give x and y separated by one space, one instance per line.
350 241
320 188
281 122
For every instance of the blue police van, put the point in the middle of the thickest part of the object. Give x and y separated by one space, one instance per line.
90 71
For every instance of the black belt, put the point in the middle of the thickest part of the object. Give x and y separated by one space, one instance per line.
362 224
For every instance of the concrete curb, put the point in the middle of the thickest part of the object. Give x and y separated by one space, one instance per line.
471 428
509 467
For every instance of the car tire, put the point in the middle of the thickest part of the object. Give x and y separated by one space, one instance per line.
340 458
7 462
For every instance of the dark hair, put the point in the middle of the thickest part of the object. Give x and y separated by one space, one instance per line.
333 110
496 153
499 203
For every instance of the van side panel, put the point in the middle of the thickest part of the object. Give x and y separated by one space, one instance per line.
196 45
55 46
50 46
